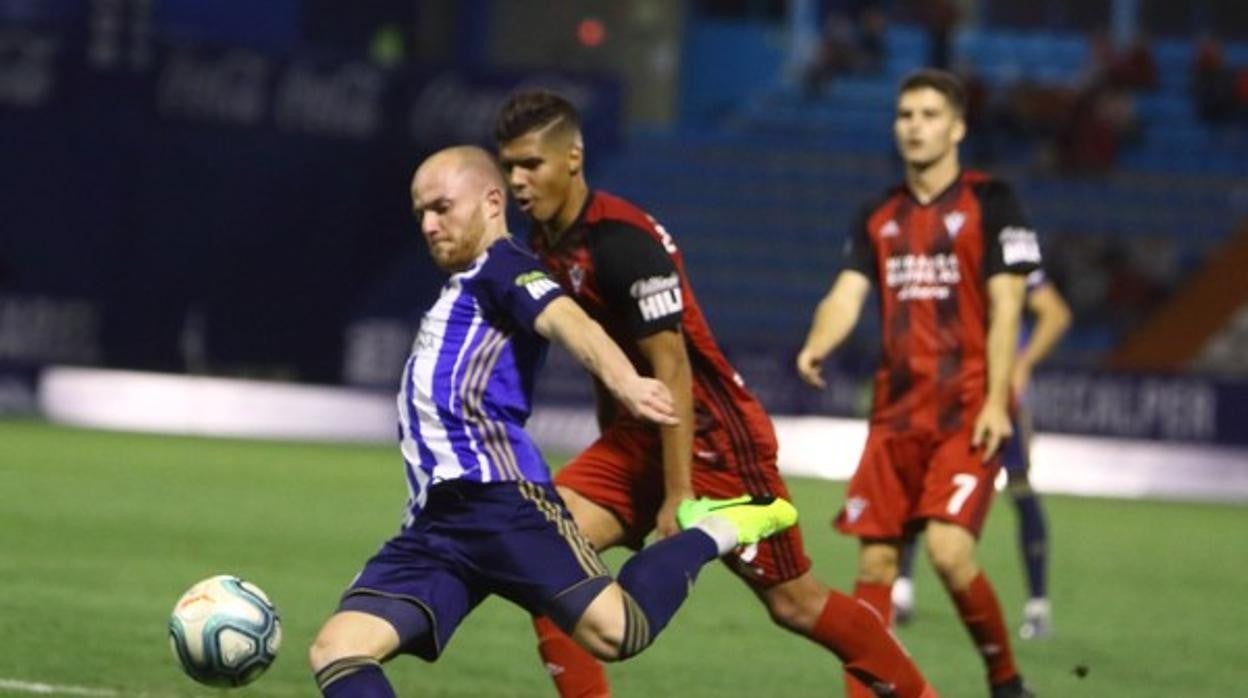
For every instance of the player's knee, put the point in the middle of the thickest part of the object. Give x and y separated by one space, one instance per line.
877 574
600 627
351 635
954 563
796 605
877 565
600 639
784 611
327 648
795 617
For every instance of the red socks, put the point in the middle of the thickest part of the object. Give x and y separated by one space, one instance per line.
854 632
850 628
575 671
877 596
981 614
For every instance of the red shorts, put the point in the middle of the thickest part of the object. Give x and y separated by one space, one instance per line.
907 478
623 472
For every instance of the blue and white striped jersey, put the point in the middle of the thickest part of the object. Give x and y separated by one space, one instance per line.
467 387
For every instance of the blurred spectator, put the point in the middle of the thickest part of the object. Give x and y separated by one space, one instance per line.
940 18
1131 68
1135 68
833 57
1129 291
980 144
872 24
1099 114
852 42
1111 282
742 9
1214 85
1101 118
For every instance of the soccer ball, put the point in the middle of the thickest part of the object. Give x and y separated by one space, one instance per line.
225 631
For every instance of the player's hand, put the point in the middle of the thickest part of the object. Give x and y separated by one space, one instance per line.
649 399
665 523
1020 379
992 428
810 368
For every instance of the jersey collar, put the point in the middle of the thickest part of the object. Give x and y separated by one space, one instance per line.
953 185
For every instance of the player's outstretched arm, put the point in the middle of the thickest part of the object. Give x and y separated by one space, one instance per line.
666 352
563 321
835 317
1052 320
1005 309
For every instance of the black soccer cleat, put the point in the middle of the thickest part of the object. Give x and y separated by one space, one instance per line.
1014 688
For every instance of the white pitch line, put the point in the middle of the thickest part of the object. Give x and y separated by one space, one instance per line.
53 689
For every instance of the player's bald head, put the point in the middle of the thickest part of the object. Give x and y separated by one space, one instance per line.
460 199
476 166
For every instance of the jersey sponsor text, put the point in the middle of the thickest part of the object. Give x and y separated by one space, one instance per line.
1019 245
536 283
922 276
658 296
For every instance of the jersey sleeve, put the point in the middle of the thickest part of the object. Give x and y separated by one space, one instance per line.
637 278
1010 243
514 286
857 253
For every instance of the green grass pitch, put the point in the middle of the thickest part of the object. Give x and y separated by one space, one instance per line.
100 533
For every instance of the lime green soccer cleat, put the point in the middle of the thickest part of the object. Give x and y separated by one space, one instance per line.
754 517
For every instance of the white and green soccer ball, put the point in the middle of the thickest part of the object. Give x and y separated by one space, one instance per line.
225 631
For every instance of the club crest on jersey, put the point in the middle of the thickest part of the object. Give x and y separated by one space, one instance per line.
577 276
536 283
658 296
953 223
890 229
854 507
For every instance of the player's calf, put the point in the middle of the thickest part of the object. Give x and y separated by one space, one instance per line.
624 618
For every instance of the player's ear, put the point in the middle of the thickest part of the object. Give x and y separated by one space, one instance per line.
959 128
495 202
576 156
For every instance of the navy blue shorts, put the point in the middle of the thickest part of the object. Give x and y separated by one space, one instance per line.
514 539
1015 454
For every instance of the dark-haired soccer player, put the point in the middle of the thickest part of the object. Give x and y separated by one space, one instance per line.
1051 318
625 270
949 252
483 517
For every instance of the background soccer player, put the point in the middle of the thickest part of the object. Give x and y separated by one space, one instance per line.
949 252
483 517
626 271
1051 319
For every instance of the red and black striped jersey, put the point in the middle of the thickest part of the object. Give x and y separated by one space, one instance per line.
625 270
930 263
